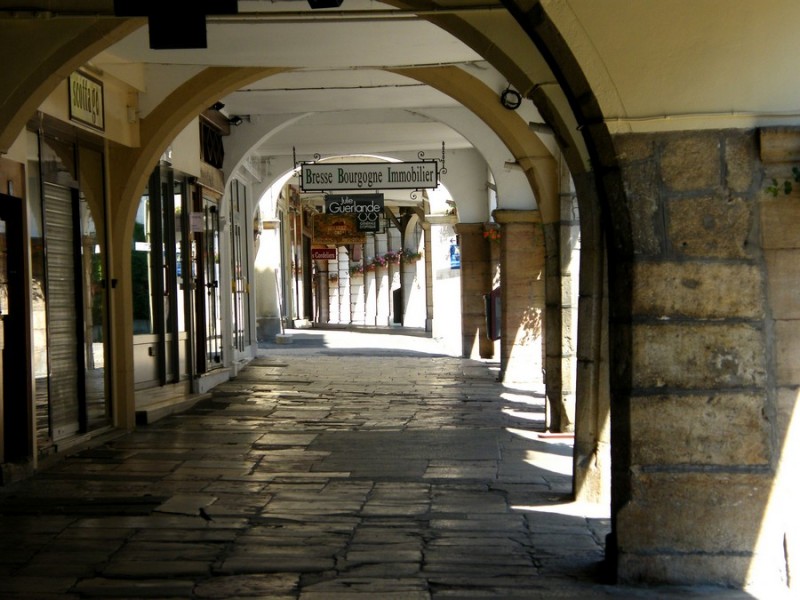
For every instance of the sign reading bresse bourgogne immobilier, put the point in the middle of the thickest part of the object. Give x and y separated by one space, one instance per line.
319 177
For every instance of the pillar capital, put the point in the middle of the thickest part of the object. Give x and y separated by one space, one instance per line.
441 219
504 216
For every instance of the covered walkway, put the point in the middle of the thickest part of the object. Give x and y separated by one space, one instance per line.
341 465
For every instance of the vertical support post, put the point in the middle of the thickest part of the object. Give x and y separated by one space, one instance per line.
522 262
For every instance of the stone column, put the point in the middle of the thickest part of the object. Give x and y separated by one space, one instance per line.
267 293
695 422
334 314
522 296
370 287
476 281
357 298
426 228
382 284
563 254
357 304
323 291
592 446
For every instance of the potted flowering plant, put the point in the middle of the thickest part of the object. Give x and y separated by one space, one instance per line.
410 256
492 234
357 269
380 261
392 257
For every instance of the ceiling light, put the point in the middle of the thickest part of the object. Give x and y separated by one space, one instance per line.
324 3
511 99
217 106
164 35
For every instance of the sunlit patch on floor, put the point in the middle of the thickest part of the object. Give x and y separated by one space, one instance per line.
572 509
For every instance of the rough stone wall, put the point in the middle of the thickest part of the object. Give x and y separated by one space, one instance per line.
701 409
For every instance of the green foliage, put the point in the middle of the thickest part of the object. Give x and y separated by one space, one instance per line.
787 186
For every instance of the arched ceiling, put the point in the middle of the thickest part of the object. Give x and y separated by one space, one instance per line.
684 64
671 64
341 85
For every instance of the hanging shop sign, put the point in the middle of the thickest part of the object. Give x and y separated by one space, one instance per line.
86 100
323 253
367 209
337 229
322 177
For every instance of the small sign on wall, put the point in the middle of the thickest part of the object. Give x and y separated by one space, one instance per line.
86 103
323 253
196 222
338 230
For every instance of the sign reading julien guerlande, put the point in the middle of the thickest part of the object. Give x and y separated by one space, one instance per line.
366 208
322 177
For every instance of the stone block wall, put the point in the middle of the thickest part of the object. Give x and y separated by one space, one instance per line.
698 440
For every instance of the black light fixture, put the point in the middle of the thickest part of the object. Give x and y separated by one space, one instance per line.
164 35
217 106
511 99
314 4
236 120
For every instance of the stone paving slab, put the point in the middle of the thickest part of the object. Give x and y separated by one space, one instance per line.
348 466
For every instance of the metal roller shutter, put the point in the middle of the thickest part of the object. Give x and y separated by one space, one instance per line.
63 346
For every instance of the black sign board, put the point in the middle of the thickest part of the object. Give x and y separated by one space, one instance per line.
367 208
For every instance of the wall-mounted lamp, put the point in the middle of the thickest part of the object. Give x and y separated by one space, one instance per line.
511 99
217 106
236 120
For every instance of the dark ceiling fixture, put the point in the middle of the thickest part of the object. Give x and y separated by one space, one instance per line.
511 99
217 106
236 120
314 4
171 31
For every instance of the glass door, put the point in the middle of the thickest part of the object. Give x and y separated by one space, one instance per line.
97 410
161 258
240 287
207 291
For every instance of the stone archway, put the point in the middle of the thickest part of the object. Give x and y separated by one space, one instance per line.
167 120
663 210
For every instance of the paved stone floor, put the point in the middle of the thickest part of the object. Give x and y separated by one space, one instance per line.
337 466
